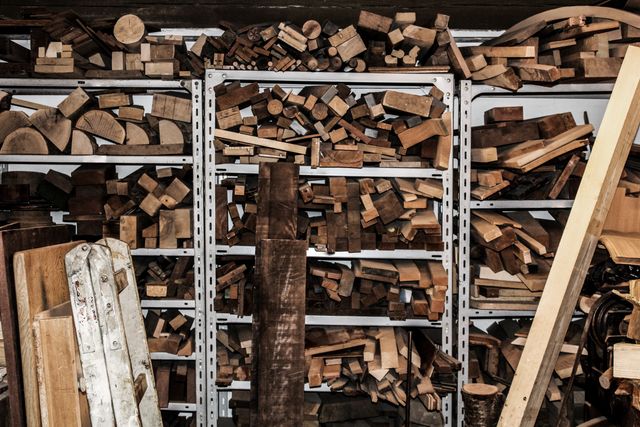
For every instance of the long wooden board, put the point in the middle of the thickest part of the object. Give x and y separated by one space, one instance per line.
12 241
616 134
40 284
282 272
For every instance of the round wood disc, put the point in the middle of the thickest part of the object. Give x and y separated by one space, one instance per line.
311 29
480 390
129 29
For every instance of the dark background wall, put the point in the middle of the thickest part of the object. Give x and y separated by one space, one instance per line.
468 14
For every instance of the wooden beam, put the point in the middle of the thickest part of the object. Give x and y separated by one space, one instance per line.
619 125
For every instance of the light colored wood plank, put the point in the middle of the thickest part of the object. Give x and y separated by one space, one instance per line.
260 142
41 283
617 131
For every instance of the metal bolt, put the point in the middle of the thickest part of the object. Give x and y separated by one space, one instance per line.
108 305
85 247
115 343
104 278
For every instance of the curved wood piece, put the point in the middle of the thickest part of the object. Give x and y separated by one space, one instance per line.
82 144
53 125
10 121
24 141
102 124
136 135
170 133
569 11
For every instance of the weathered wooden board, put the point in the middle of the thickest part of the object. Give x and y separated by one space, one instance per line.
40 284
61 402
615 136
12 241
281 292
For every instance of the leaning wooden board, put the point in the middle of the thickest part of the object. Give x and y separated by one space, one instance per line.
12 241
40 284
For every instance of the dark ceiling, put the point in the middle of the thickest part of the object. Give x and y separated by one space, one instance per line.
493 14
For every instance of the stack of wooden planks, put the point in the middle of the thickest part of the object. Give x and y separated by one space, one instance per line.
587 46
150 208
56 58
494 357
109 48
371 361
376 42
169 331
527 159
514 251
106 123
383 214
165 277
400 289
330 126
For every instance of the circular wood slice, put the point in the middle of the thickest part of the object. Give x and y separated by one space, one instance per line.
53 125
10 121
319 111
101 124
25 141
335 64
129 30
274 107
480 391
170 133
311 29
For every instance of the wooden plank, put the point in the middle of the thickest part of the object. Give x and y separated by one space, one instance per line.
617 131
61 402
281 291
277 206
12 241
40 284
260 142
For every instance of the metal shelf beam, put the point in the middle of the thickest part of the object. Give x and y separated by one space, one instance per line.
522 204
168 303
161 252
222 250
337 320
242 169
76 160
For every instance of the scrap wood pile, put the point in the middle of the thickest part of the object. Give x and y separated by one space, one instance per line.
65 45
538 158
169 331
355 214
376 43
106 123
400 289
585 46
331 126
150 208
372 361
513 253
494 357
341 410
175 382
165 277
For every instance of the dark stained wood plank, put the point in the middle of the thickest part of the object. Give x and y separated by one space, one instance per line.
12 241
277 201
281 371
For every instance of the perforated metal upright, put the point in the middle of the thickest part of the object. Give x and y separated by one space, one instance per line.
417 83
537 101
44 88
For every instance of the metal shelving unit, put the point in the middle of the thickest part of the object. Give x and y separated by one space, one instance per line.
474 100
417 83
61 87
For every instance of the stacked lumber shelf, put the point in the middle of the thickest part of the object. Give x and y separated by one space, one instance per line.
376 43
104 123
126 173
494 357
369 202
553 47
356 361
66 46
522 157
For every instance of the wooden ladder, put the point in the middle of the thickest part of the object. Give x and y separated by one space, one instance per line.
111 336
